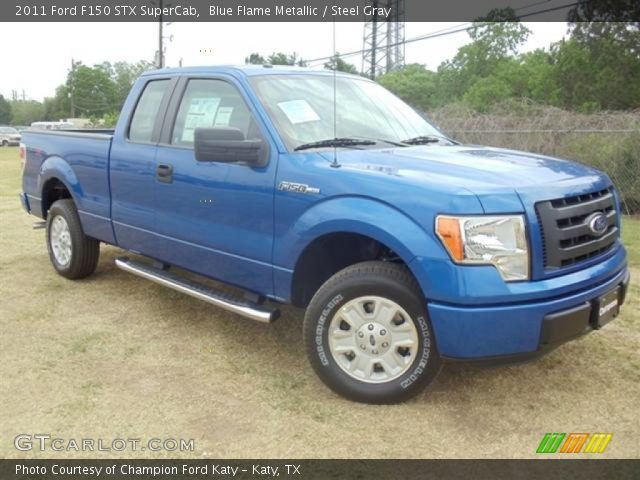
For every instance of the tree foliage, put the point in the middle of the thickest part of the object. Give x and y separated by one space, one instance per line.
96 92
24 112
340 65
596 67
415 84
5 111
276 58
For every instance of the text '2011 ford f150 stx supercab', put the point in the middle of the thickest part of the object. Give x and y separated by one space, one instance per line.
327 192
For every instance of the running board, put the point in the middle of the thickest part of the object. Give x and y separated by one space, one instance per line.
241 307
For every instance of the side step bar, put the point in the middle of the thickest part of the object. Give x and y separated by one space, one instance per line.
201 292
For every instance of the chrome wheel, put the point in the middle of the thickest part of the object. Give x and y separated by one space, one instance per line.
60 238
373 339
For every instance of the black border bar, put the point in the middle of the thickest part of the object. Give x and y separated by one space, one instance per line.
542 468
314 10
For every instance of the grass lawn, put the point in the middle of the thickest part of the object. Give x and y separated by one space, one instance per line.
115 356
631 239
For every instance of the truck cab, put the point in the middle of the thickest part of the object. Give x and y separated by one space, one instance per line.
325 191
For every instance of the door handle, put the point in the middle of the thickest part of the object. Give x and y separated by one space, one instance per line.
164 173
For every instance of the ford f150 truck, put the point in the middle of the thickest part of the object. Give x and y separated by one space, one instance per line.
327 192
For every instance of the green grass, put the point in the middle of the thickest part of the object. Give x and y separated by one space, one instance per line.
115 356
631 239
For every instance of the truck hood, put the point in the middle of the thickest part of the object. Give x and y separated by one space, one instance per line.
475 168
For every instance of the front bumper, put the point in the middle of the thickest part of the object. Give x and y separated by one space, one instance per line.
518 332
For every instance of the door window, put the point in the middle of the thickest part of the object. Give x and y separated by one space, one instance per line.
211 104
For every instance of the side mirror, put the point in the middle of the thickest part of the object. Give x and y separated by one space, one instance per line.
228 145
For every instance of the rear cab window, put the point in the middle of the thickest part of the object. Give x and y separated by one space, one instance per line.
145 114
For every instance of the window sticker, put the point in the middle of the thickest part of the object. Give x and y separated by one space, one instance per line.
223 117
298 111
202 111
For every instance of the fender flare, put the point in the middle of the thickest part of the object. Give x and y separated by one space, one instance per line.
57 168
354 214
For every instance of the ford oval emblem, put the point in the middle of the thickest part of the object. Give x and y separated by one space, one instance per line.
598 223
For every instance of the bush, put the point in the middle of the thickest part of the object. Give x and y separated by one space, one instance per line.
619 158
608 141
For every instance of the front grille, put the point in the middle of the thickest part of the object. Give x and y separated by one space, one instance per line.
567 236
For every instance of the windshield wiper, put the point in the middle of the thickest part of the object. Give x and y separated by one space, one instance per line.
424 140
335 142
384 140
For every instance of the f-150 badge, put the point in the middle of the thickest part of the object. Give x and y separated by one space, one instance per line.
297 187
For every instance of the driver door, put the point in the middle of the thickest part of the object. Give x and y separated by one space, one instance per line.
215 218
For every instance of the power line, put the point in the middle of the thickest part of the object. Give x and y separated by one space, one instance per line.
447 31
552 9
410 40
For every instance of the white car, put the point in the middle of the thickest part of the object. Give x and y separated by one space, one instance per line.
9 136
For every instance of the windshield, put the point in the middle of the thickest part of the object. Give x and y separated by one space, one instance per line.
301 107
8 130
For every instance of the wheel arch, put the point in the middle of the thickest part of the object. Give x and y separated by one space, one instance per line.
53 190
57 180
363 230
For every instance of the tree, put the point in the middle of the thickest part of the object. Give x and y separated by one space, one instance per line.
337 63
92 89
598 67
5 111
284 59
486 92
597 16
255 59
24 112
415 85
123 75
95 92
58 106
276 58
493 43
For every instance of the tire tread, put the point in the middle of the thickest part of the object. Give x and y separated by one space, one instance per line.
369 272
86 250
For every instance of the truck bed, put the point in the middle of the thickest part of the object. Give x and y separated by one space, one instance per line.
82 158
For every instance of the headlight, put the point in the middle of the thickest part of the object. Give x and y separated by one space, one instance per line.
488 240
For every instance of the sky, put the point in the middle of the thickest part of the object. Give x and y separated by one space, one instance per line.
37 56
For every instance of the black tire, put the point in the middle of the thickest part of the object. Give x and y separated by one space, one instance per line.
84 250
381 279
5 143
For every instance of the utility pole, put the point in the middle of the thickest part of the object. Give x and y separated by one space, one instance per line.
72 89
160 40
384 39
160 59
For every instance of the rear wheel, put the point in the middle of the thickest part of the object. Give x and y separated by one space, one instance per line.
368 336
72 253
5 143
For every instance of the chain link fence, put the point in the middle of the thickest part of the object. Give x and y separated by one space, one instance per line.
608 141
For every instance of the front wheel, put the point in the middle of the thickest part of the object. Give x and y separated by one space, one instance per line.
368 336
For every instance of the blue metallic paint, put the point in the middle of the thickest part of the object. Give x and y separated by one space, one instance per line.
485 331
253 234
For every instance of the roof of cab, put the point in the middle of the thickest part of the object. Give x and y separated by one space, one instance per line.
248 70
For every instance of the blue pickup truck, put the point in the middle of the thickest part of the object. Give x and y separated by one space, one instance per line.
327 192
